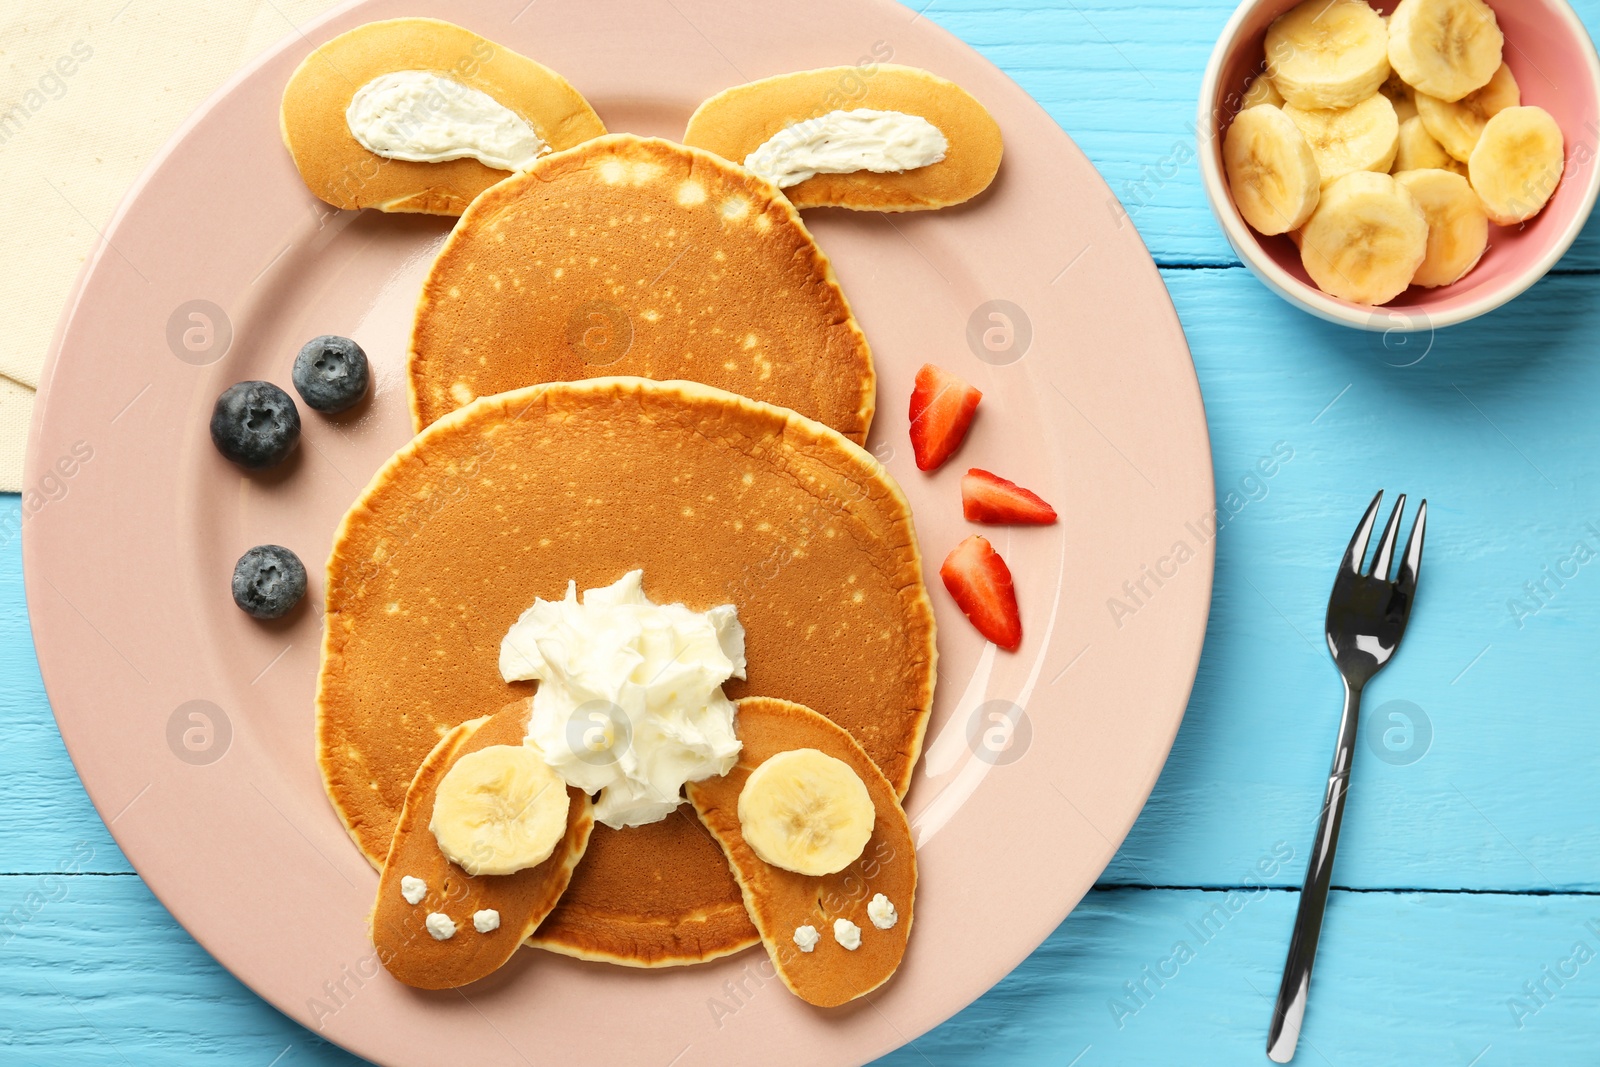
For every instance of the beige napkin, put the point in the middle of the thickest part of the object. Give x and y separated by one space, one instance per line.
89 91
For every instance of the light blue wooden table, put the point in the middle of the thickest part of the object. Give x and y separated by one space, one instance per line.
1465 929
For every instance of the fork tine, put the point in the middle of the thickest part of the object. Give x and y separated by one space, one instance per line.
1411 562
1391 532
1358 544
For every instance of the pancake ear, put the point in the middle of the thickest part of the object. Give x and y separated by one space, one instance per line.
339 169
738 121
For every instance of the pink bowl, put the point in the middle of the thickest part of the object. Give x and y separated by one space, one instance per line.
1549 51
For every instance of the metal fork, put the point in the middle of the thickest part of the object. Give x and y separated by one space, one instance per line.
1367 616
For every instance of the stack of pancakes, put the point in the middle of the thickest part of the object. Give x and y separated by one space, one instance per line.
632 355
716 446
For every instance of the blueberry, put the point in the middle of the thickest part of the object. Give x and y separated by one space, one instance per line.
330 373
268 581
255 424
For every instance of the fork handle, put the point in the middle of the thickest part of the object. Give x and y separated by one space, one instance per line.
1289 1012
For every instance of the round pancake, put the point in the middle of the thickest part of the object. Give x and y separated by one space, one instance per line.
340 170
779 900
638 256
739 120
719 499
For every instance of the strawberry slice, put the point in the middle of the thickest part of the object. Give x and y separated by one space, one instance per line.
980 582
941 410
992 499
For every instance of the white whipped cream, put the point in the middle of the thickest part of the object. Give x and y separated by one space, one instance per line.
806 937
842 142
419 116
847 934
630 702
440 926
413 889
881 912
486 920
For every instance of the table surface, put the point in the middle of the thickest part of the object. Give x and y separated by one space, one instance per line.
1465 922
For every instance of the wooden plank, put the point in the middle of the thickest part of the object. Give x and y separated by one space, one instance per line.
1500 799
1124 80
98 967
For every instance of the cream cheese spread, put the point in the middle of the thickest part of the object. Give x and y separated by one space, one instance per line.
842 142
413 889
419 116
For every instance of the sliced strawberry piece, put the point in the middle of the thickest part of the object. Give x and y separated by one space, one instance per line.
992 499
980 582
941 410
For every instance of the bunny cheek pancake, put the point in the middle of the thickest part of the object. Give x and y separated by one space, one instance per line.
779 900
737 121
639 257
522 899
719 500
337 168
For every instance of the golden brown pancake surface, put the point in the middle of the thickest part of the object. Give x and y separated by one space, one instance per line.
523 899
340 170
779 900
719 499
633 256
739 120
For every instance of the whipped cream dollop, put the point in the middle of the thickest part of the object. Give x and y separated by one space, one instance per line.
881 911
847 934
806 937
413 889
842 142
630 702
419 116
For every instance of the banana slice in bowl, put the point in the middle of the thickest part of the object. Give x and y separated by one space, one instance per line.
1343 140
1458 227
1326 54
1445 48
1366 240
1271 170
1458 125
1517 164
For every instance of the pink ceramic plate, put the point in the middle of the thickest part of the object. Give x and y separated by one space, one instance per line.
192 725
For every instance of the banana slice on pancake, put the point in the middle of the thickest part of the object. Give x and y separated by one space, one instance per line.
421 115
832 937
431 924
877 137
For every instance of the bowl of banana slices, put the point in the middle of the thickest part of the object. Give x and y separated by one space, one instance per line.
1401 164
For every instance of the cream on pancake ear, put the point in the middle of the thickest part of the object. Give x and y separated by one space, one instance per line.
915 140
479 76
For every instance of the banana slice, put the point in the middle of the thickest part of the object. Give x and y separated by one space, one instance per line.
500 810
1402 96
1325 54
807 812
1366 240
1419 151
1445 48
1458 227
1364 137
1517 164
1261 91
1457 126
1271 170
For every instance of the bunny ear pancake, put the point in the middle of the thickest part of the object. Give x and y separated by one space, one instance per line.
340 170
737 121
